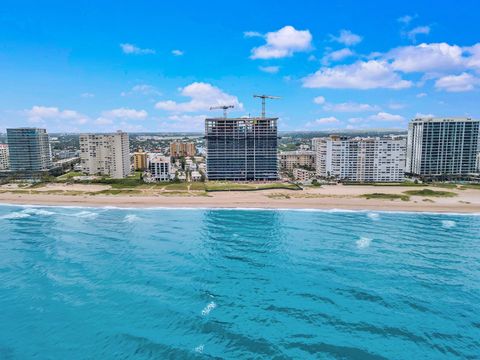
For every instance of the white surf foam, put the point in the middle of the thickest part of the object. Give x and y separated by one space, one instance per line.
373 216
130 218
207 309
363 242
36 211
199 349
15 215
447 224
86 214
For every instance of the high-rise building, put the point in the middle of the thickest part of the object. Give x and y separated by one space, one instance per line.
443 147
289 160
140 160
182 149
29 149
361 159
105 154
4 160
241 149
159 167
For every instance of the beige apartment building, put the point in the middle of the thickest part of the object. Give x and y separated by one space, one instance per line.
140 160
289 160
105 154
185 149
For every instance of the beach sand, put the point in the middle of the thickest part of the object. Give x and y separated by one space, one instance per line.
325 197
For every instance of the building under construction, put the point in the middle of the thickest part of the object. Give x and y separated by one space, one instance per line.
241 149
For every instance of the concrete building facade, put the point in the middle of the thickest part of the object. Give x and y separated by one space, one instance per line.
443 148
4 158
289 160
241 149
105 154
29 149
361 159
159 167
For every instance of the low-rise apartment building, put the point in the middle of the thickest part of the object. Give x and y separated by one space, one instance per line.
289 160
159 168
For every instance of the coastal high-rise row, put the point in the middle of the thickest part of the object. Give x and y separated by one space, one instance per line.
361 159
443 148
241 149
4 160
105 154
29 149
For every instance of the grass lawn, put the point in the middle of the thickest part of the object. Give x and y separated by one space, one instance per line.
69 175
430 192
232 186
384 196
197 186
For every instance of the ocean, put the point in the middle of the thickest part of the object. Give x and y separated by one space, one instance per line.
107 283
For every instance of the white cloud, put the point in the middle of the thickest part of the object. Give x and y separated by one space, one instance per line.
133 49
183 123
319 100
360 75
143 89
337 55
125 113
40 113
421 95
473 61
419 30
457 83
347 38
350 107
87 95
270 69
433 57
322 121
177 52
384 116
103 121
420 115
250 34
283 43
396 106
203 96
406 19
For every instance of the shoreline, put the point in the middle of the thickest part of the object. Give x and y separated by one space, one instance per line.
326 198
160 208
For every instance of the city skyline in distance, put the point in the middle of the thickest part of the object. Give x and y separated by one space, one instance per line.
158 68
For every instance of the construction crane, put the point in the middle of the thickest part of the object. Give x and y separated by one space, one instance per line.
263 97
224 107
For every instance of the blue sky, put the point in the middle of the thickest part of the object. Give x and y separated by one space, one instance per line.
158 66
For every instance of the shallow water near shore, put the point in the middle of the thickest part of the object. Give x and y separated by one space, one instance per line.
111 283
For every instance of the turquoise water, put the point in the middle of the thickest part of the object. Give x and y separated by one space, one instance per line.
84 283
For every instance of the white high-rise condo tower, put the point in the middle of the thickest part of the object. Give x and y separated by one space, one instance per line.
105 154
443 148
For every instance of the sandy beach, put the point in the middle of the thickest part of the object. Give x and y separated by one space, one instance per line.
351 197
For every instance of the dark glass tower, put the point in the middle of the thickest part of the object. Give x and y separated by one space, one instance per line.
29 149
241 149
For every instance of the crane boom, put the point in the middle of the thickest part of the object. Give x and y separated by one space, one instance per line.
263 97
223 107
